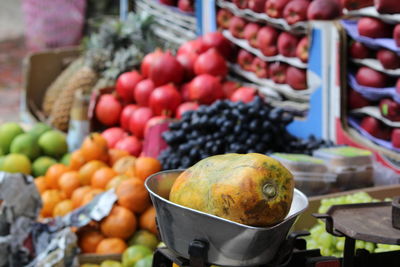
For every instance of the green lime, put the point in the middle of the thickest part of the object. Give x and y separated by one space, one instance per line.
53 143
8 131
133 254
145 238
25 144
41 164
15 163
38 129
145 262
65 159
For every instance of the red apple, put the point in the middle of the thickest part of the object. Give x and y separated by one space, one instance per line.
143 91
185 92
218 41
205 89
257 5
398 86
387 6
126 116
260 68
375 128
324 10
126 83
390 109
236 27
356 4
302 49
164 100
108 110
274 8
229 87
287 44
373 28
166 69
277 72
211 62
130 144
186 107
356 100
168 2
244 94
368 77
396 137
138 121
113 135
358 50
186 5
245 59
241 3
194 46
296 11
388 59
187 61
296 78
147 61
266 39
223 18
250 33
396 35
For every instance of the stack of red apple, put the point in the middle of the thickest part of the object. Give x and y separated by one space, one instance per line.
379 130
183 5
382 6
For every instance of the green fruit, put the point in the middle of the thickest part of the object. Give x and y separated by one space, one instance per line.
41 164
133 254
110 263
15 163
38 129
65 159
145 262
8 131
2 158
145 238
25 144
53 143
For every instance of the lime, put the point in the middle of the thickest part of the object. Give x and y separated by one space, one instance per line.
133 254
41 164
8 131
38 129
145 262
65 159
25 144
53 143
17 163
145 238
2 158
110 263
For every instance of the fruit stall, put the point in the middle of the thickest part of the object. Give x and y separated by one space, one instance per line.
199 133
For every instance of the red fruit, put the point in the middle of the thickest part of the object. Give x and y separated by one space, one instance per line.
185 92
205 89
296 78
245 59
358 50
130 144
396 137
368 77
244 94
375 128
229 87
186 5
164 100
168 2
154 121
218 41
108 110
143 91
236 27
138 121
356 4
287 44
257 5
302 49
260 67
296 11
373 28
398 86
126 84
356 100
277 72
387 6
147 61
126 116
166 69
241 3
195 46
211 62
390 109
113 135
186 107
250 33
274 8
223 18
187 61
324 10
388 59
266 39
396 35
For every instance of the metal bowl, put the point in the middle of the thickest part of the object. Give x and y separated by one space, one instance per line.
230 243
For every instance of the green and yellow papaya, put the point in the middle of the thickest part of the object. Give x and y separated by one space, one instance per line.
251 189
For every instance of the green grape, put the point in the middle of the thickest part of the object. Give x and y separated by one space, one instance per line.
370 246
340 245
325 240
360 244
326 252
394 247
311 244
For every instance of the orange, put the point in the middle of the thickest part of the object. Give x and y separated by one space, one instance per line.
114 182
124 165
147 220
111 246
116 154
68 182
133 195
89 240
90 195
120 223
146 166
95 147
102 176
78 194
77 160
63 208
50 198
86 171
53 174
40 183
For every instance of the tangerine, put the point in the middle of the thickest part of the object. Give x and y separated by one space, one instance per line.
53 174
63 208
78 194
115 154
86 171
114 182
95 147
40 183
89 196
111 245
77 160
120 223
89 240
102 177
132 194
50 198
147 220
69 182
146 166
124 165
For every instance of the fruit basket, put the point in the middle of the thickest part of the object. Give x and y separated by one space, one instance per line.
229 243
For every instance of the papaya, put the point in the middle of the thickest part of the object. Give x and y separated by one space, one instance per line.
251 189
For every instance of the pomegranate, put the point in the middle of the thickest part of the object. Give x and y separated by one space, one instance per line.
113 135
186 107
126 116
154 121
130 144
138 121
211 62
187 61
126 84
143 91
108 110
244 94
205 89
164 100
229 87
218 41
185 92
148 61
166 69
195 46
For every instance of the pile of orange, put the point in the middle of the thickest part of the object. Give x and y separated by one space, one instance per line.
94 169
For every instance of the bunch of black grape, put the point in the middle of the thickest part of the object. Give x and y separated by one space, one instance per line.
231 127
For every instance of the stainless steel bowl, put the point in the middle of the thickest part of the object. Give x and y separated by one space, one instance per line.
230 243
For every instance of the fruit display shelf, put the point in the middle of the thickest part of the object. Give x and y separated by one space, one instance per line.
376 65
